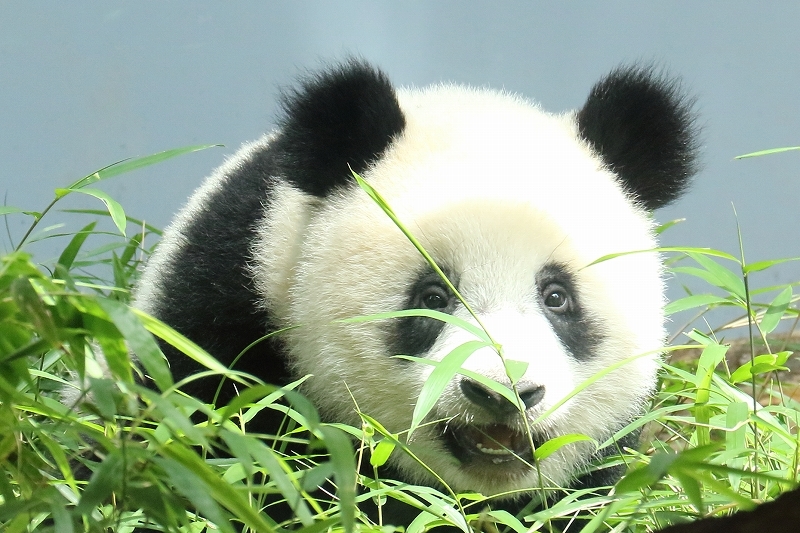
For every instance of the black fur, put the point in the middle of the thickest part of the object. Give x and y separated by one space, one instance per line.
415 335
207 293
644 128
345 116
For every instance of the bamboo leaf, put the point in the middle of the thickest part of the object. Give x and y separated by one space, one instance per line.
767 152
196 490
127 165
681 249
553 445
666 225
515 369
721 276
762 265
344 467
114 208
69 254
175 339
438 379
693 301
8 210
438 315
140 340
105 479
381 453
772 317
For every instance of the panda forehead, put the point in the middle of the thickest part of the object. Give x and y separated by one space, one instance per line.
461 143
500 130
463 146
483 232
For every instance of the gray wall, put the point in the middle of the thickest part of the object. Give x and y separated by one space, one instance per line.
84 84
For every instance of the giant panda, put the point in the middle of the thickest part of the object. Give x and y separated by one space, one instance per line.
515 205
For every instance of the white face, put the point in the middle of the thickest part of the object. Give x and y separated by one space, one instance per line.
513 208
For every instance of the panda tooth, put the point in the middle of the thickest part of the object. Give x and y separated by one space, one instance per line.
492 451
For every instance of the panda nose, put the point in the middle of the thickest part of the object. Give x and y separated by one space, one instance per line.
485 397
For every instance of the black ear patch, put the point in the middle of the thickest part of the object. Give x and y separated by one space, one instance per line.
643 127
345 115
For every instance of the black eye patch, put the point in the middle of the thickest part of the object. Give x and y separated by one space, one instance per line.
415 335
559 298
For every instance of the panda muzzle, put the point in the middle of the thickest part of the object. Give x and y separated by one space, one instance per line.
497 443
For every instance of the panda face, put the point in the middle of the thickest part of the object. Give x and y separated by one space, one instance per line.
513 203
513 207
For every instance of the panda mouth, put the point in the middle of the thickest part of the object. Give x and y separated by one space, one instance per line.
492 443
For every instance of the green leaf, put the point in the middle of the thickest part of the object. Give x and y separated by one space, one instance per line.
553 445
127 165
721 276
114 208
239 451
134 221
103 397
344 463
762 265
775 311
382 452
279 474
105 479
682 249
8 210
761 364
141 342
112 344
711 356
693 301
174 417
767 152
438 379
661 228
515 369
316 476
39 314
196 491
249 395
69 254
736 414
692 489
134 244
508 520
203 476
62 519
648 474
489 383
429 313
175 339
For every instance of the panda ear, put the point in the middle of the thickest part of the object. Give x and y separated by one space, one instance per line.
643 128
346 115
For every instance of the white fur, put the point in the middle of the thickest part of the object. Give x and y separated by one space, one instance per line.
496 188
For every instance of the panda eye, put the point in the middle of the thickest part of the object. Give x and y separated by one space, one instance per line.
556 298
435 298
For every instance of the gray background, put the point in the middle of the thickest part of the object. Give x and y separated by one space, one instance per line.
84 84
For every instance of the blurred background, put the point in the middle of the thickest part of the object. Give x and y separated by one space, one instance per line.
85 84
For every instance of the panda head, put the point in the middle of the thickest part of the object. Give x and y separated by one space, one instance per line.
514 204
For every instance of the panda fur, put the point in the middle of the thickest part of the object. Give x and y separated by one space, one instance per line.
511 201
